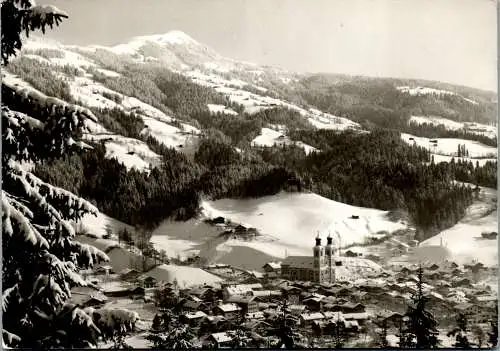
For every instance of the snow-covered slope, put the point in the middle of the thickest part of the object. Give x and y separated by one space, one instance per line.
132 153
470 127
221 109
185 276
448 147
269 137
98 225
464 240
418 91
290 221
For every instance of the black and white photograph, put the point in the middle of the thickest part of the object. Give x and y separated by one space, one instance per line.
249 174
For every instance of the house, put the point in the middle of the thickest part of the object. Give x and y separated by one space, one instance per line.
391 317
221 340
94 300
106 269
248 304
258 325
254 315
349 308
432 267
350 253
191 306
306 319
313 303
147 281
292 294
193 318
463 282
239 290
272 268
129 274
228 310
433 275
296 309
206 294
266 295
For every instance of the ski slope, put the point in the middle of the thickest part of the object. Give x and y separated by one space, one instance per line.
289 222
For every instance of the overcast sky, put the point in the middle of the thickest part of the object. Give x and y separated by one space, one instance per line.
447 40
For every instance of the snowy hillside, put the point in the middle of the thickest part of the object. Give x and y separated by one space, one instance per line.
446 148
290 221
132 153
184 55
418 91
464 240
269 137
476 128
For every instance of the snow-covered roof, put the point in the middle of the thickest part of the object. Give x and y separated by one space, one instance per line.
312 316
266 293
194 315
242 289
254 315
273 265
229 307
334 315
356 316
221 337
297 307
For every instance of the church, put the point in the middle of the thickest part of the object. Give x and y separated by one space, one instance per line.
319 268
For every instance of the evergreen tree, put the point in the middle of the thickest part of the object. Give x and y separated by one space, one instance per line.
420 326
41 259
493 333
479 335
382 333
460 332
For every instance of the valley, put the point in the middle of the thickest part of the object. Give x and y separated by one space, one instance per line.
210 174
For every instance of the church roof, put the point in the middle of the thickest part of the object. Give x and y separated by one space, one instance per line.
299 261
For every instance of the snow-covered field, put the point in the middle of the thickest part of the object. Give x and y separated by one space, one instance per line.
185 276
464 240
97 226
417 91
221 109
470 127
132 153
269 137
174 247
449 146
289 222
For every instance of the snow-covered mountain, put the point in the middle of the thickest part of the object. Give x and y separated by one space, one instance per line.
182 54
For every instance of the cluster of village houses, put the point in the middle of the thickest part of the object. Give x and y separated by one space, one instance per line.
219 297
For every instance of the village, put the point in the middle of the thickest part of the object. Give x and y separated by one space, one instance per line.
220 303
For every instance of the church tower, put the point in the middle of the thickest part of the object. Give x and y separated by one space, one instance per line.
329 252
319 259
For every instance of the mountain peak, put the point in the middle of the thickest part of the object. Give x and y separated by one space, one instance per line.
172 37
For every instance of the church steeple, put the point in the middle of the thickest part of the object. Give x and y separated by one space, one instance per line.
318 240
329 251
318 253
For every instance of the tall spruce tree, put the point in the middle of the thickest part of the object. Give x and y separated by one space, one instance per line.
41 259
420 324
